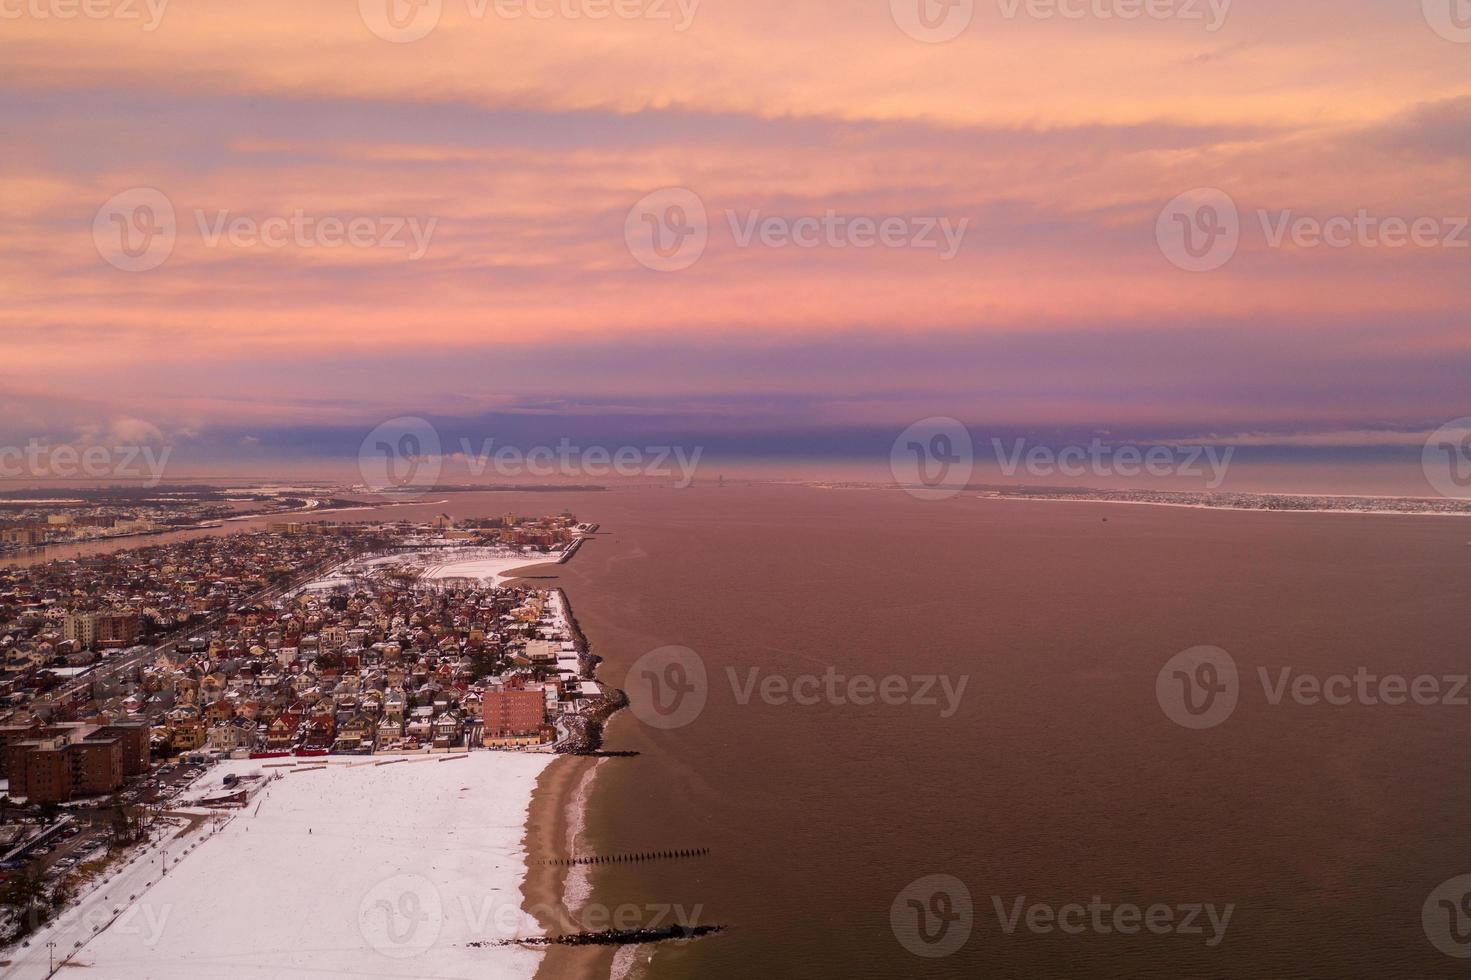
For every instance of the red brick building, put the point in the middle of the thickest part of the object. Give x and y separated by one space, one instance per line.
513 717
59 768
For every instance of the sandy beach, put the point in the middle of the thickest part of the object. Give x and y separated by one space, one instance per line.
552 823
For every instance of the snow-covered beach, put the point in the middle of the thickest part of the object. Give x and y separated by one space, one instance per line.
378 866
489 567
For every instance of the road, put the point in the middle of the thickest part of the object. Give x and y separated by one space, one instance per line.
119 900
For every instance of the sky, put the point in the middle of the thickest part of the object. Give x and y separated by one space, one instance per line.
777 231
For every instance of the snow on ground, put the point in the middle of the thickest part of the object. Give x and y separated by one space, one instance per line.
486 564
342 574
354 869
490 569
119 901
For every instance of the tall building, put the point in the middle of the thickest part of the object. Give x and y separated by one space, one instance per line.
514 717
91 630
57 768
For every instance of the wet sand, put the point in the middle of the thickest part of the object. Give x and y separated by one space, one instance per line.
548 829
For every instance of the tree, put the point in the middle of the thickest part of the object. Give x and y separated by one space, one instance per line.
23 895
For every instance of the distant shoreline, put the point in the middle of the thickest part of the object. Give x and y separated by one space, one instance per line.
1244 502
1363 512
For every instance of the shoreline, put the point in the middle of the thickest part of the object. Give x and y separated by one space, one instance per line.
1224 507
550 832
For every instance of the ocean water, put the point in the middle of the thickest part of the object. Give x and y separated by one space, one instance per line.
1060 779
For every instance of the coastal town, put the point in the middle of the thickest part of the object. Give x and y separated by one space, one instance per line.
34 518
128 681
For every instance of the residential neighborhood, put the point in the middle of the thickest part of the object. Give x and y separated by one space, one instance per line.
119 674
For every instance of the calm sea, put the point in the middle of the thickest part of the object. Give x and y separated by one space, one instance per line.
1060 779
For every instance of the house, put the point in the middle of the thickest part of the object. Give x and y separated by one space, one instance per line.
218 710
390 734
187 734
357 734
227 736
421 724
282 731
448 731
